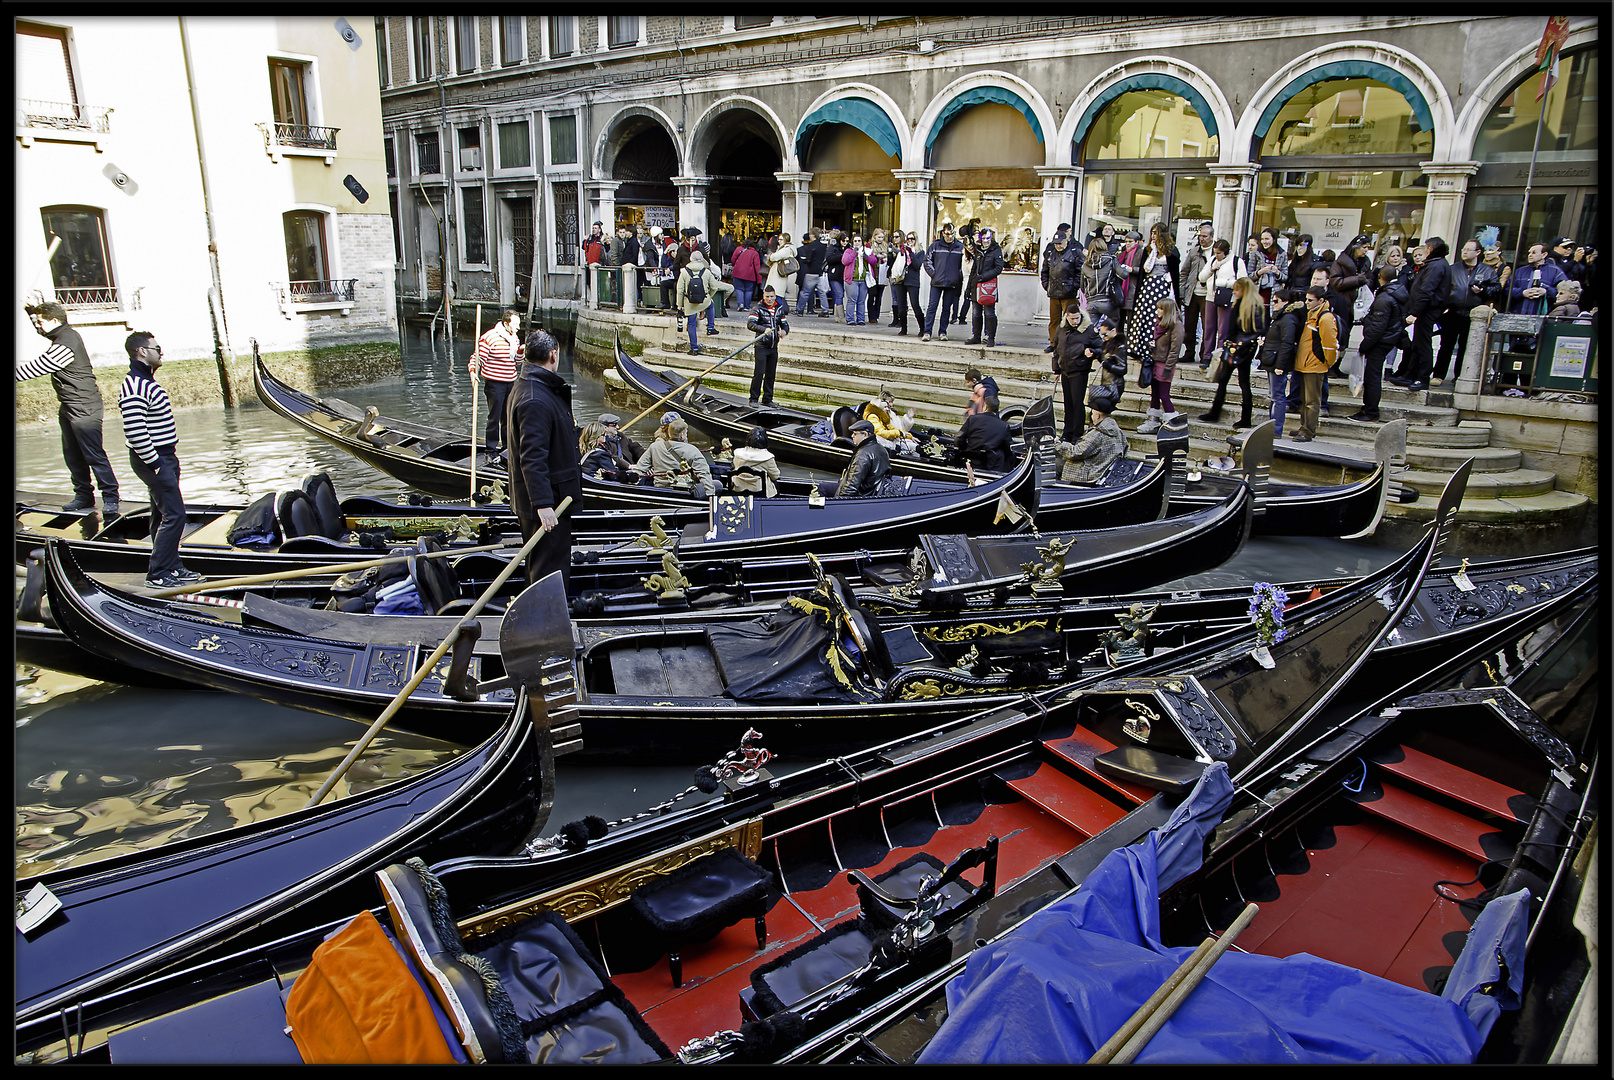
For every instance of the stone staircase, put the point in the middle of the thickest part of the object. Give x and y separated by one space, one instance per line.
823 366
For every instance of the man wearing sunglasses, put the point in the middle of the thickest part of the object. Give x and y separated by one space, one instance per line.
148 428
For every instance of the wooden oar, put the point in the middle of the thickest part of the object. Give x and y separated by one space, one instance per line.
431 661
315 571
476 341
674 392
1152 1015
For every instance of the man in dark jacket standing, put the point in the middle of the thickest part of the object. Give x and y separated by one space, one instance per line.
944 262
1431 289
1061 280
768 320
67 362
1380 331
544 466
870 463
813 282
1076 350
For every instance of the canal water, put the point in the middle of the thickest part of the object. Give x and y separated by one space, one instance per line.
103 769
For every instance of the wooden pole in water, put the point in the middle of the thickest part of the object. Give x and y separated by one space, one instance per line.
431 661
476 370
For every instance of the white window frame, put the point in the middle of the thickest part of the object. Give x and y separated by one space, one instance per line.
455 43
498 41
482 149
26 136
409 30
333 249
577 148
459 228
549 45
604 40
730 28
313 98
533 158
383 52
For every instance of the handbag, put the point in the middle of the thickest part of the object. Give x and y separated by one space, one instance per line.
1218 367
1224 296
1364 301
1145 375
986 293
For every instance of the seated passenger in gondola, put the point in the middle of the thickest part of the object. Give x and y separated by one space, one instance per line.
893 430
623 450
755 469
597 461
870 463
1101 445
983 440
673 462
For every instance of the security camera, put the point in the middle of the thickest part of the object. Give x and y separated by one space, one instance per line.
349 35
120 179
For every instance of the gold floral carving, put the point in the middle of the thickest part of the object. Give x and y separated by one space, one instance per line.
970 631
604 891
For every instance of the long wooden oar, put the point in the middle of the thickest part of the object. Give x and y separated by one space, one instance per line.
674 392
315 571
431 661
1152 1015
475 343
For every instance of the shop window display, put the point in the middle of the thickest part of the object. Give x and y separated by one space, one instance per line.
1015 215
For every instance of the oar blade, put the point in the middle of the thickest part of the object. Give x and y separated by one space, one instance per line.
537 625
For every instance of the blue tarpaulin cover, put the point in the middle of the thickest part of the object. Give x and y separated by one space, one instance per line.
1058 988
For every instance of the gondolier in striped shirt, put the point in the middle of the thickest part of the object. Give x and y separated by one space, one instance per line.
148 428
67 362
497 354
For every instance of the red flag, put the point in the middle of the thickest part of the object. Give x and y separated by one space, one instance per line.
1552 38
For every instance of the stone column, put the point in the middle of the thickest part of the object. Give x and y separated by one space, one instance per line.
601 204
1061 191
692 204
1448 190
1235 187
1471 376
795 204
913 202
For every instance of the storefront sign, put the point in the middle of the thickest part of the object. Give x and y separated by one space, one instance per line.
1516 173
662 217
1330 230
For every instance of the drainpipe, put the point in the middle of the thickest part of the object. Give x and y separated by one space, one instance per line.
448 149
215 294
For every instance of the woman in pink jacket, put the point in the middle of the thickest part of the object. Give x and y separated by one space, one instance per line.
747 275
858 265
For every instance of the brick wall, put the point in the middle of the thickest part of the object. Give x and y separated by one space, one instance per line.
588 33
487 33
660 29
398 49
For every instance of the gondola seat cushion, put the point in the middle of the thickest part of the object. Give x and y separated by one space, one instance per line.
698 899
318 487
803 971
357 1003
569 1010
298 515
841 421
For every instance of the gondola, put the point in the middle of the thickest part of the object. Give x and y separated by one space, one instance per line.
437 462
1025 800
728 526
1282 508
1379 861
709 674
124 917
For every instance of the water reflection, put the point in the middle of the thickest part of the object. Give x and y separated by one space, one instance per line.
103 771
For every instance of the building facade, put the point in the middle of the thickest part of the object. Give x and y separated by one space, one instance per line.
507 136
211 180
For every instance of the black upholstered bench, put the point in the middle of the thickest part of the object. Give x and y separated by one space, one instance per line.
696 901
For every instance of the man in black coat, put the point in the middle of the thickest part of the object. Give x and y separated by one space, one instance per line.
768 320
1431 289
814 283
983 440
1076 350
1381 329
1352 269
870 463
544 466
1061 280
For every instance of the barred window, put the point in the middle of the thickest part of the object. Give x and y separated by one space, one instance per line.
566 237
473 226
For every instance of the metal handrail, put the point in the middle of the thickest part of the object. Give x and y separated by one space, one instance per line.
321 291
302 136
63 116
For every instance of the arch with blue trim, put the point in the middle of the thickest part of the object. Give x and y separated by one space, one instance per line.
857 112
982 95
1349 69
1148 80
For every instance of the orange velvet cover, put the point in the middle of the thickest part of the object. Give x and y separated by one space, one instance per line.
357 1004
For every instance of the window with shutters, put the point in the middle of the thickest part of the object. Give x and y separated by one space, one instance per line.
48 94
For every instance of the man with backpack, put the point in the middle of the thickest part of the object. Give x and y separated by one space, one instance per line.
696 284
1314 355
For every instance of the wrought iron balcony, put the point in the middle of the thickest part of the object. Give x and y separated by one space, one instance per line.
94 298
63 116
328 291
302 140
